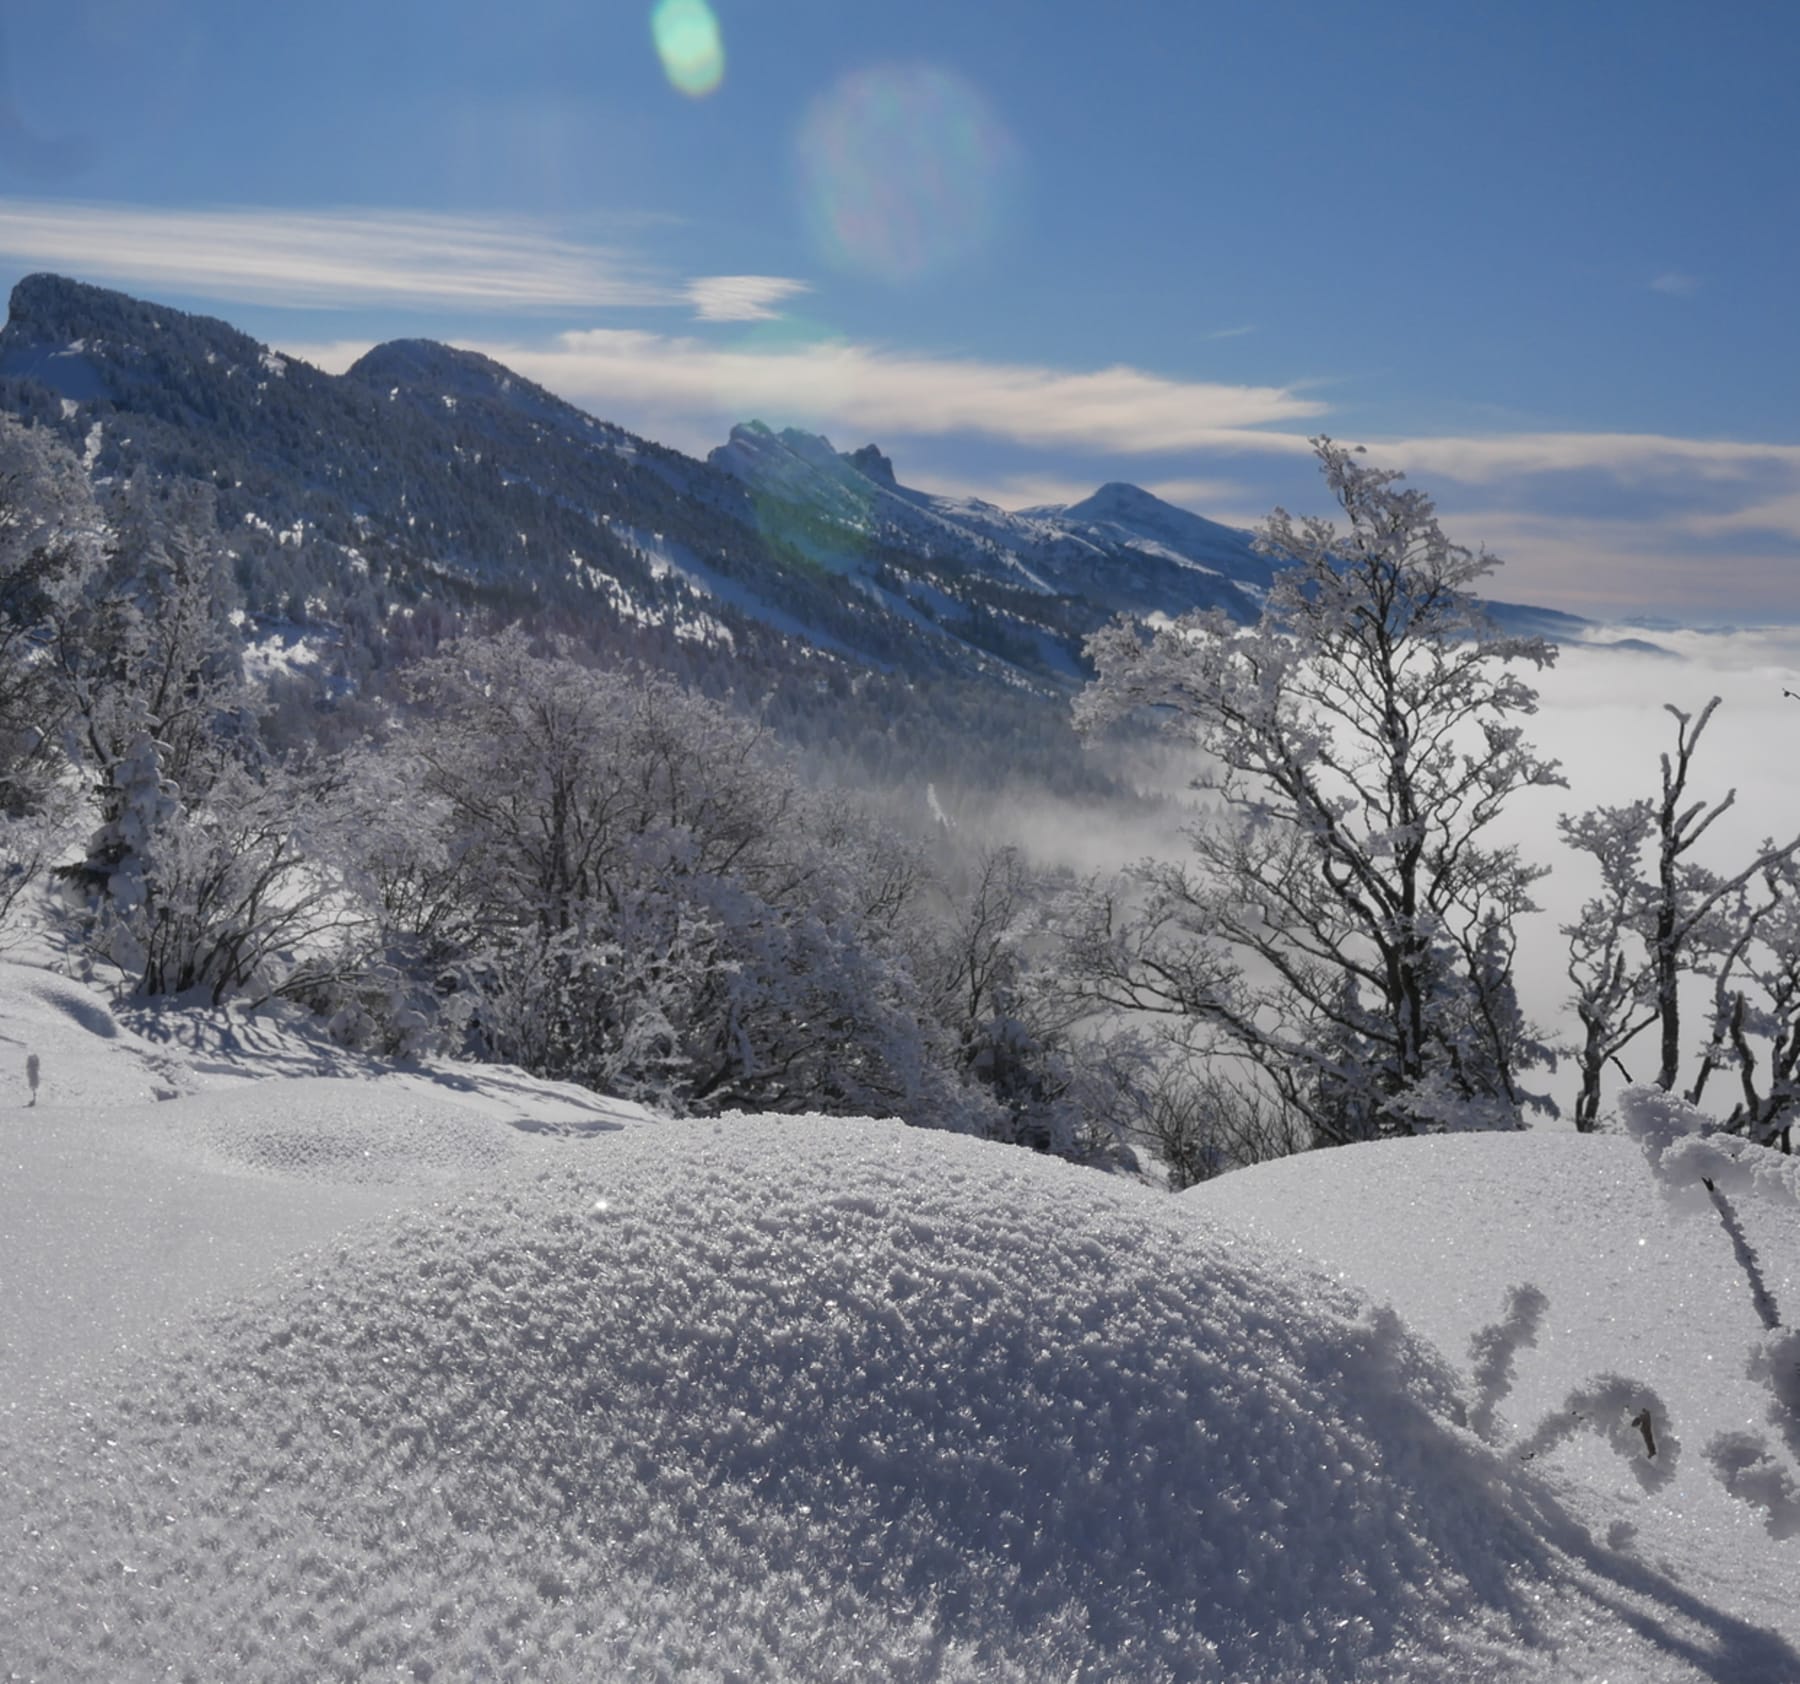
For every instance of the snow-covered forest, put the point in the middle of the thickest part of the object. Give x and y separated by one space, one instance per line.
878 1343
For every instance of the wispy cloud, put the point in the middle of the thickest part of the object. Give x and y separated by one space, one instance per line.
860 387
1778 516
1726 512
1207 497
1674 284
1004 490
741 298
332 259
1625 456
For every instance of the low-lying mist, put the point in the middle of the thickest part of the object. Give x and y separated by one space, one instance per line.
1602 715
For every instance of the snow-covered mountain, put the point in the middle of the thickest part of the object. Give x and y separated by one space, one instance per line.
1123 549
425 471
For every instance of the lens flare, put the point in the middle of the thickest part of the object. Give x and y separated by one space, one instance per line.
795 373
687 41
904 172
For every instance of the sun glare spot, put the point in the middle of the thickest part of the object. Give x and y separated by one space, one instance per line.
688 43
904 172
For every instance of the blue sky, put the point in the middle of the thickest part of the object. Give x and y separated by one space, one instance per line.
1543 257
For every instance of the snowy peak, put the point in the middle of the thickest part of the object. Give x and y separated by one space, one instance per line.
425 469
1132 515
425 362
432 374
755 452
88 344
1122 550
871 464
1116 500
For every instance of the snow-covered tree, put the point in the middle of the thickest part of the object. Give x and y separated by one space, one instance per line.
1664 919
122 852
993 980
1755 1005
631 891
1198 1122
1346 925
151 644
52 545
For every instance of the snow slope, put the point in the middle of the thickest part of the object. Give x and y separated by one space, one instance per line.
316 1371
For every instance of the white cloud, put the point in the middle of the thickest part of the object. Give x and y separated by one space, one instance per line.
1674 284
1626 456
869 389
741 298
1207 497
330 259
1004 490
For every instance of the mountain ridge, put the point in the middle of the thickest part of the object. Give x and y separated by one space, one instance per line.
425 469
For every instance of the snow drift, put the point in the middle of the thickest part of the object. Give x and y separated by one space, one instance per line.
780 1399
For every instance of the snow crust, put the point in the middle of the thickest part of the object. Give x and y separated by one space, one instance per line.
321 1371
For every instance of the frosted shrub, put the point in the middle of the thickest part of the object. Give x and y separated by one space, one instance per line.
1744 1466
1628 1415
1493 1348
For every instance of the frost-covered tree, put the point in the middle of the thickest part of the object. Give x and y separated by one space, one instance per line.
1346 925
52 544
1755 1005
993 981
123 851
626 888
1199 1123
150 644
1664 919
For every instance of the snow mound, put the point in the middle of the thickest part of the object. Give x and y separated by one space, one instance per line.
785 1399
1646 1303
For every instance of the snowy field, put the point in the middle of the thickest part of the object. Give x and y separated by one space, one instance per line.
311 1370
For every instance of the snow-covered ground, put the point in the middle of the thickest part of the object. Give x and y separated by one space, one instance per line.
311 1370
